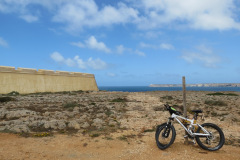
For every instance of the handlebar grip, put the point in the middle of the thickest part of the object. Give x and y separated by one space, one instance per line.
167 106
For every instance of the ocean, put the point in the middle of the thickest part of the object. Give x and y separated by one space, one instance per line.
147 88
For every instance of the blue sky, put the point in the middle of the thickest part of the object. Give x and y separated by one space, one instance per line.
125 42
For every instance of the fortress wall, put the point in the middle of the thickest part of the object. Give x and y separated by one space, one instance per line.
24 80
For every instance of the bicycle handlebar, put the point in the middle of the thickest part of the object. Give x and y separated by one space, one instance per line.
167 106
172 110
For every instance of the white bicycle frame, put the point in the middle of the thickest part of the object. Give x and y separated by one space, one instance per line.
189 131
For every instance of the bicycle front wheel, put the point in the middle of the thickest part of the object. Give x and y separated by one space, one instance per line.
213 142
165 135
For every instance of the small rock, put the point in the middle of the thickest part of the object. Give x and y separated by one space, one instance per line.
98 123
85 125
3 113
20 129
46 113
74 124
61 124
2 128
16 122
112 123
4 123
51 124
84 116
19 113
76 109
101 115
82 119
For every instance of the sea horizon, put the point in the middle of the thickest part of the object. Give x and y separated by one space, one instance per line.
148 88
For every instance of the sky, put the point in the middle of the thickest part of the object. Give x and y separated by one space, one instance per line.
125 42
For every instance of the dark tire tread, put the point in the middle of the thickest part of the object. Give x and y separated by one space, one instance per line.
158 131
222 138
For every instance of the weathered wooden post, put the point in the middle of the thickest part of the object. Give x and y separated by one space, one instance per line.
184 105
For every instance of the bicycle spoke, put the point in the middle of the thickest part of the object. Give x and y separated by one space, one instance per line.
212 141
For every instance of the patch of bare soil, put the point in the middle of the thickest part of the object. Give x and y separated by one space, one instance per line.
65 147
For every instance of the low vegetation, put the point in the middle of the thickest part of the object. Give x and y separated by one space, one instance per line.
13 93
222 94
215 103
167 97
6 99
70 105
119 100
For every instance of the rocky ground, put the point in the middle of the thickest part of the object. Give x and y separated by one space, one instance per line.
97 119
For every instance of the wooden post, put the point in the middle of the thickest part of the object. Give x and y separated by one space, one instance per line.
184 105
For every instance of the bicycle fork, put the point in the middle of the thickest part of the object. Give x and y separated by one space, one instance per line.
167 129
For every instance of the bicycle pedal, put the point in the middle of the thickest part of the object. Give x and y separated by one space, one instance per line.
193 141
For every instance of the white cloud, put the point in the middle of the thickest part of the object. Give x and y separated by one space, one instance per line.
21 8
166 46
145 45
204 49
120 49
140 53
57 57
78 44
202 55
92 43
196 14
3 43
29 18
76 15
80 63
87 14
111 74
96 64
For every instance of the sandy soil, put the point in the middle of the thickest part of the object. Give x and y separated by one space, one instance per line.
64 147
143 112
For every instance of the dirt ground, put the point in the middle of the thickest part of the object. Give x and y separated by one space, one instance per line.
133 139
68 147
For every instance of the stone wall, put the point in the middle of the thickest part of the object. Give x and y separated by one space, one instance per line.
25 80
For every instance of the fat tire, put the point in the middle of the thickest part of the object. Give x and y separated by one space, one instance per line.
222 138
157 134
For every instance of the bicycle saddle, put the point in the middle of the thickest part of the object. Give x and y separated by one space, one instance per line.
197 111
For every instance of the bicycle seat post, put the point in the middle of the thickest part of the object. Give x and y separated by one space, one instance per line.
195 116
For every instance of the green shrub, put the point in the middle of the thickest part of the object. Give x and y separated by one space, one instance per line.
70 105
126 137
167 97
44 134
119 100
221 94
215 103
231 94
214 114
123 138
149 130
158 108
13 93
94 135
108 112
6 99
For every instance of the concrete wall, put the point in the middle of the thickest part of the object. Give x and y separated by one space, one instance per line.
24 80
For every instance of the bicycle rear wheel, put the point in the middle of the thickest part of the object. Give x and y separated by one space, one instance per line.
213 142
165 135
